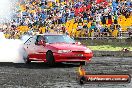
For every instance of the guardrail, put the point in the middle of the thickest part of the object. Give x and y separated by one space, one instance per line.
113 53
107 35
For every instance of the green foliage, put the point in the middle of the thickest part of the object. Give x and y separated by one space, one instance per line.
109 48
107 44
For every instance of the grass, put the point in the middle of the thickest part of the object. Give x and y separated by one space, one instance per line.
105 45
109 48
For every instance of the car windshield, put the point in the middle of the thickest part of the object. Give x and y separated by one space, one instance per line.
58 39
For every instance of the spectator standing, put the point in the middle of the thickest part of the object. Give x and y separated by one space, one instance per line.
115 18
103 19
109 18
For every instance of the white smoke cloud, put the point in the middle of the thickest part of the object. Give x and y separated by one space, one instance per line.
6 10
24 38
12 51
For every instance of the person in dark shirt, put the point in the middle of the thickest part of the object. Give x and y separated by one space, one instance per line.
85 27
103 19
115 19
85 16
106 31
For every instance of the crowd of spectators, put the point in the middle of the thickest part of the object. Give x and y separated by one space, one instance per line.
51 15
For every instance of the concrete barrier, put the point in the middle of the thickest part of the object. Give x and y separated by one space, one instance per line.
112 53
114 42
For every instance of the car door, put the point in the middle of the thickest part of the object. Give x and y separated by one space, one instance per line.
40 49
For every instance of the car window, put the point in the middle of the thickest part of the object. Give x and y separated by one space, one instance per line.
39 37
58 39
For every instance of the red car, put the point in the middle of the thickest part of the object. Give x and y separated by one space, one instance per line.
53 48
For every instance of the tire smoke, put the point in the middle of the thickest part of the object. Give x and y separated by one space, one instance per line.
12 51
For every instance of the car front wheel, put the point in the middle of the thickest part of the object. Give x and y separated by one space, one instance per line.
50 58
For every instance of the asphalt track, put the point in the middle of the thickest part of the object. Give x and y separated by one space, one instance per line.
39 75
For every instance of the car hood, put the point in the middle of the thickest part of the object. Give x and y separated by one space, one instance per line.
65 46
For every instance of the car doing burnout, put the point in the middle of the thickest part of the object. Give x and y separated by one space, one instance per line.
53 48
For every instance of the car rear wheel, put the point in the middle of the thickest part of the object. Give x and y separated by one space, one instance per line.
50 58
27 61
25 57
82 63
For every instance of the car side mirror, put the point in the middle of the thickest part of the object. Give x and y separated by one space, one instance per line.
41 42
